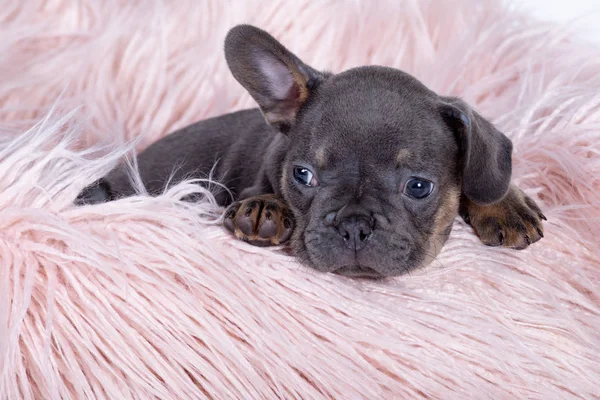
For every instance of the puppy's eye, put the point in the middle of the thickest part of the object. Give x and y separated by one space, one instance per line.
418 188
304 176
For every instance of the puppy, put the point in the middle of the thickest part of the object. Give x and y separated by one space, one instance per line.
362 172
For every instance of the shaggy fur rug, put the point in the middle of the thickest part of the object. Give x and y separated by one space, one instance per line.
150 298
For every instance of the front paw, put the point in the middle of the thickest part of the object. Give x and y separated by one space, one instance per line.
515 221
260 220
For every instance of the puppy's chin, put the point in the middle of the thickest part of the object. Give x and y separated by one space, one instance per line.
387 254
356 271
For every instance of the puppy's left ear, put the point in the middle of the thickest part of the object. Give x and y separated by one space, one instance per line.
277 79
486 153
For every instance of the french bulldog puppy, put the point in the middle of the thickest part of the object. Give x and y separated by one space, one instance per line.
362 173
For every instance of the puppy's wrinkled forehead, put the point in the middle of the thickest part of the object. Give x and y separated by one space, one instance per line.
377 115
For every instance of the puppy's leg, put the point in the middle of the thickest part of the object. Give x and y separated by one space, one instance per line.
515 221
98 192
263 220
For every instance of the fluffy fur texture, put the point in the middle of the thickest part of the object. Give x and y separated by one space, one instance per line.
151 298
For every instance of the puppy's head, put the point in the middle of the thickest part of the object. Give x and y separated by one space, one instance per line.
376 162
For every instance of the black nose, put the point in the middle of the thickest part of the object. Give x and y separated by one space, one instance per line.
355 230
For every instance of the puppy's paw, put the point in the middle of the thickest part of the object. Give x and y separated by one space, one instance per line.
260 220
515 221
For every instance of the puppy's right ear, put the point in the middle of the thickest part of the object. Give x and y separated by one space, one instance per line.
278 81
486 152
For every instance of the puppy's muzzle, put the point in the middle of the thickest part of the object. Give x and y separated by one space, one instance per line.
356 228
356 231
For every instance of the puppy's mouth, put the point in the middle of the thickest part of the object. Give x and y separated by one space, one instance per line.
356 271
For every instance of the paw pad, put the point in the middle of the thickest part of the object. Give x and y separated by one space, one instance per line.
262 220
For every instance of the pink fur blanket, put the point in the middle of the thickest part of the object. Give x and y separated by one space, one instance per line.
150 298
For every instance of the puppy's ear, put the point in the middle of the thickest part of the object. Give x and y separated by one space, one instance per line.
278 81
486 152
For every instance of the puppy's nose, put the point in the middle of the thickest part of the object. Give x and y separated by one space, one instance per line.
355 230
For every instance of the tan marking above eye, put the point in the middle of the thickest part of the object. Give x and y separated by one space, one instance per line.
403 157
320 157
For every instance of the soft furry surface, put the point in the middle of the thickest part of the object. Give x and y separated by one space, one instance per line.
150 298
